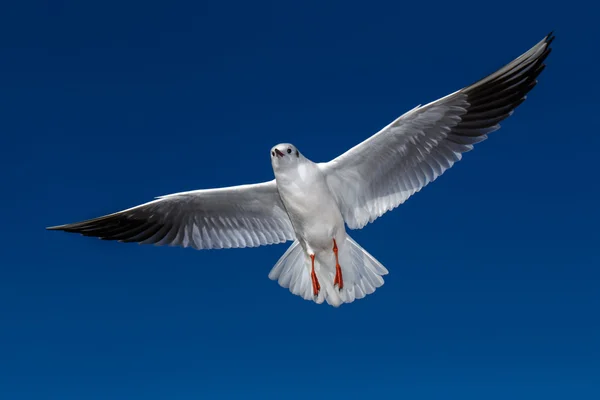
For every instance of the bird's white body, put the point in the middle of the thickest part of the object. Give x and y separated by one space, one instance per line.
315 216
312 204
313 211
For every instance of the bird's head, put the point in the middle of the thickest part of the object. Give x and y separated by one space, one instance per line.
285 155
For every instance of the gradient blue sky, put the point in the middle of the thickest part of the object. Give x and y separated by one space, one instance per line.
494 288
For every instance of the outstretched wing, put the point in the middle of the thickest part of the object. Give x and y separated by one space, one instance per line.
238 216
382 172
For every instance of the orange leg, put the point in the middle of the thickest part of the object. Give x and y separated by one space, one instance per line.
313 276
338 271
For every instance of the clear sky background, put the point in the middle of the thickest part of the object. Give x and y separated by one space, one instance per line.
494 284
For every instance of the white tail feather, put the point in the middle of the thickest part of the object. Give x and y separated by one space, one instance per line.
362 273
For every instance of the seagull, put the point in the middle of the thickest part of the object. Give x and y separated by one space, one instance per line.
312 203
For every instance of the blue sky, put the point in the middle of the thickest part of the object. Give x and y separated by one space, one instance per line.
494 284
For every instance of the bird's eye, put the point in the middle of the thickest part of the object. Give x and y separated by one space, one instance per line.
272 154
289 151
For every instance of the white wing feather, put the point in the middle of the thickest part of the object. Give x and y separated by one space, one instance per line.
382 172
238 216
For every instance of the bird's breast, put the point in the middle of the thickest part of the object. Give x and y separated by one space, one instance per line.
312 208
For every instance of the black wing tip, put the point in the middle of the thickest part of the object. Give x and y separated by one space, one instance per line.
70 227
546 42
549 39
495 97
121 227
57 228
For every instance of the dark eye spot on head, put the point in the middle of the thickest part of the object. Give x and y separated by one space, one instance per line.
272 154
289 151
297 154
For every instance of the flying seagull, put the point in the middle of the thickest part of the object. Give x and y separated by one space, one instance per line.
311 203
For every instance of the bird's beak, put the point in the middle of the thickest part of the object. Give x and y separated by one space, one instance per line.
279 153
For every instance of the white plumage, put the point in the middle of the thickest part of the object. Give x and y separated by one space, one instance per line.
311 203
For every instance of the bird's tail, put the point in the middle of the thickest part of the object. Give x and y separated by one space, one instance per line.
362 273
